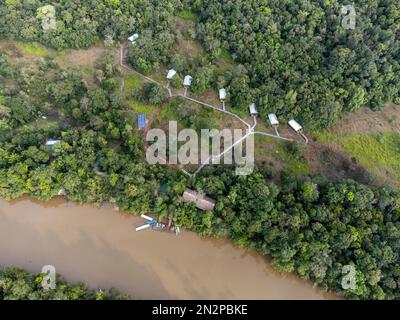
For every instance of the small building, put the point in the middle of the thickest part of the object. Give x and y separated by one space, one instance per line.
141 121
273 119
132 39
202 202
187 81
171 74
51 143
222 94
295 125
253 109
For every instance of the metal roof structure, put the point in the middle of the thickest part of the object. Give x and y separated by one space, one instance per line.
52 142
202 202
133 38
187 81
295 125
222 94
253 109
171 74
141 121
273 119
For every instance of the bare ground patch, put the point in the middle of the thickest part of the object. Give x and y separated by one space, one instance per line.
81 57
331 160
16 55
186 35
10 49
84 60
328 158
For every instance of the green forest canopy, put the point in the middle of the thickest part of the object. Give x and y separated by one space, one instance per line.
295 57
300 62
310 226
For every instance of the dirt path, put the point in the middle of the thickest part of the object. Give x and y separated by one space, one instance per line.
251 129
81 57
153 117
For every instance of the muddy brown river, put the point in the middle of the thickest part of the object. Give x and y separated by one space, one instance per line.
99 246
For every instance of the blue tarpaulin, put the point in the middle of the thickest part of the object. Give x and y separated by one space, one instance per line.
141 121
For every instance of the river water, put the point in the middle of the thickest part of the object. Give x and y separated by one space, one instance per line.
99 246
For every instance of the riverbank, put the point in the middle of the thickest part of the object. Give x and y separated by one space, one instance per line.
17 284
99 246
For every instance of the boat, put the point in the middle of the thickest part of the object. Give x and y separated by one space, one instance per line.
158 226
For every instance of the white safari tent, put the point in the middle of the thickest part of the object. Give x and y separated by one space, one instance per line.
295 125
133 38
171 74
52 142
273 119
253 109
187 81
222 94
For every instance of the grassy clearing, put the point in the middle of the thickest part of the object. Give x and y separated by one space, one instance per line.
62 54
141 108
34 49
48 125
243 113
290 155
226 56
133 81
189 115
261 147
159 74
187 15
376 152
168 112
88 71
223 121
224 60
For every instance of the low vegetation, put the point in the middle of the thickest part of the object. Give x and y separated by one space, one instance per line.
34 49
289 156
187 15
378 152
133 81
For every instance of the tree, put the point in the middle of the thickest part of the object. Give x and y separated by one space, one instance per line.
154 93
202 80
